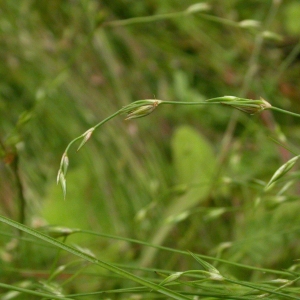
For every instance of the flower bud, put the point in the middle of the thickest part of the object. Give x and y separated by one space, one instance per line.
58 231
272 36
198 7
171 278
250 24
86 136
142 109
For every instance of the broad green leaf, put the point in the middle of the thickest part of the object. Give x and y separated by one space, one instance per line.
193 156
194 164
292 13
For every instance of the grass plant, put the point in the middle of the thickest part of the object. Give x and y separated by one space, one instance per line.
196 201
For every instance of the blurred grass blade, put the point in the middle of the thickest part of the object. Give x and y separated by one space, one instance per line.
91 259
19 290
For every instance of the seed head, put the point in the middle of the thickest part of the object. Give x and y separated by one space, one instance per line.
246 105
252 106
143 109
86 136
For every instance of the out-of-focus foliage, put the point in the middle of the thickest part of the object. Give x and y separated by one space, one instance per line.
187 177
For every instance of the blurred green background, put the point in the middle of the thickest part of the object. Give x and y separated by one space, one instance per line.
187 177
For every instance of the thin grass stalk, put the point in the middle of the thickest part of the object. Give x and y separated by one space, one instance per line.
277 272
93 260
31 292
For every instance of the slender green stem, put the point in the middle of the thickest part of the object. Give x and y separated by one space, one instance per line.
146 19
159 17
30 292
219 20
186 103
216 100
19 187
109 118
93 260
284 111
186 253
260 288
55 262
94 127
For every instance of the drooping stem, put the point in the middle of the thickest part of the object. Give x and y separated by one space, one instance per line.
160 17
142 108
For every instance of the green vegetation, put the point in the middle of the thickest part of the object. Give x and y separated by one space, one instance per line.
177 192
